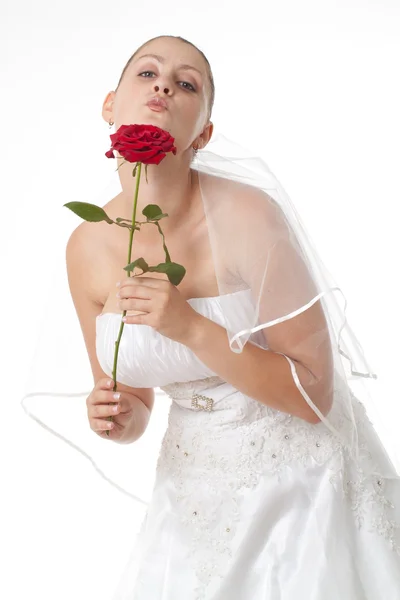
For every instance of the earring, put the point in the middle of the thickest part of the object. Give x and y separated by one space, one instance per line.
110 123
195 149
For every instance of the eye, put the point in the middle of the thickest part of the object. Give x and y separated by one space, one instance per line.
190 88
140 74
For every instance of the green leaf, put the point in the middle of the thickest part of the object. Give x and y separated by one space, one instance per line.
153 212
89 212
139 262
174 272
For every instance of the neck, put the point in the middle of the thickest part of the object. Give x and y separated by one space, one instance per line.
169 185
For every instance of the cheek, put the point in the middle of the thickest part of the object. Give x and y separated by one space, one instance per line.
196 111
129 98
127 110
201 117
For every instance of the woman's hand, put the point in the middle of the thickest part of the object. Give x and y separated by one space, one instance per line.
99 410
162 306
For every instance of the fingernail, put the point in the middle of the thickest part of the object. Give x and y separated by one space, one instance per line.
116 396
118 284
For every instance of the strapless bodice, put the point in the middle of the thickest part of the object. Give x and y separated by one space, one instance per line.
148 359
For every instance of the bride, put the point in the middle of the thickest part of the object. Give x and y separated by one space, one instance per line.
271 482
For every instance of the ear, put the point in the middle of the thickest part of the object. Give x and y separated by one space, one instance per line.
205 136
107 110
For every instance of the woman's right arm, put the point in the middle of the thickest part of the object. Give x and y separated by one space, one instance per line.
82 256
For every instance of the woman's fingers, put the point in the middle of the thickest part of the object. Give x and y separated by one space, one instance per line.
135 304
100 425
109 412
135 291
106 410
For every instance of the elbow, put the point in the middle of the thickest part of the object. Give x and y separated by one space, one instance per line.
313 418
320 389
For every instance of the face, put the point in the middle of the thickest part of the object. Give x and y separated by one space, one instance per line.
175 72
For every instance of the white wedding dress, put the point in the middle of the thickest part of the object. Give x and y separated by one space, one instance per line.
250 503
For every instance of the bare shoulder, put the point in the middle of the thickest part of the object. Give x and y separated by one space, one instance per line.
84 249
245 221
231 194
239 207
90 252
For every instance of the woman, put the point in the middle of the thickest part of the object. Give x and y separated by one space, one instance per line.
258 492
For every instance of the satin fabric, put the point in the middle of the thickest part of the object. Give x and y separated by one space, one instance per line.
170 361
249 502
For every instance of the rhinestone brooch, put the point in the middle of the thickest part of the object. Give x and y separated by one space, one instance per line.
208 402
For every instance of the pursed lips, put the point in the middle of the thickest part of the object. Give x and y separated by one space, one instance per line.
157 102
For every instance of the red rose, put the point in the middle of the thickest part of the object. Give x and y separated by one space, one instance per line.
141 143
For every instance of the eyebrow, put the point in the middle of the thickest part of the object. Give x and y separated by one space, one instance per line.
161 59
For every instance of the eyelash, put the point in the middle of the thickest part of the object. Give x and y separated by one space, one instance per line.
190 90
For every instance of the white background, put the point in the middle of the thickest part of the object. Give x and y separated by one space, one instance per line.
311 86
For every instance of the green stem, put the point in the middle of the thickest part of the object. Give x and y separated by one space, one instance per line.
132 231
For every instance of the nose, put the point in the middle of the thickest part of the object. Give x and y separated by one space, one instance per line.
165 89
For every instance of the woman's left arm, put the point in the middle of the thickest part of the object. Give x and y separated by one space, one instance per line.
263 374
